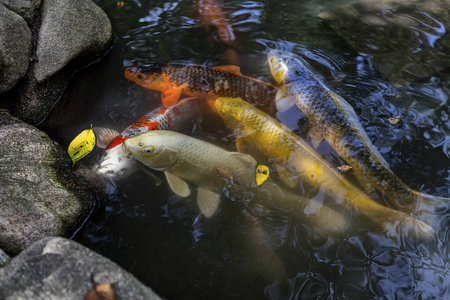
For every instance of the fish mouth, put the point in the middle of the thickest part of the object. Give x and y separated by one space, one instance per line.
125 148
278 68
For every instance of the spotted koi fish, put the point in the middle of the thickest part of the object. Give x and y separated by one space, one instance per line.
332 118
201 81
115 163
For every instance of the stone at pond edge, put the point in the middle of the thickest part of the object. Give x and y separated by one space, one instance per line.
408 40
15 48
4 258
25 8
40 195
69 29
73 34
57 268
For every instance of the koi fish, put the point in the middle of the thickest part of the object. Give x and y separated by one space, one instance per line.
186 159
115 162
210 13
333 118
259 134
201 81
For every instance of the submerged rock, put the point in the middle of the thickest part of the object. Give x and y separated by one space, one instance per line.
408 40
57 268
40 195
15 48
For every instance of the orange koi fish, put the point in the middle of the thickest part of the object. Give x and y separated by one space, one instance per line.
201 81
210 13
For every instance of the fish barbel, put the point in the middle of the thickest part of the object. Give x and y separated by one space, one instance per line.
115 163
331 117
201 81
295 160
186 159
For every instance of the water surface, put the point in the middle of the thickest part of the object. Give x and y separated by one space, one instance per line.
163 240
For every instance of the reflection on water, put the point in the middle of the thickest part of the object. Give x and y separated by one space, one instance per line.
162 239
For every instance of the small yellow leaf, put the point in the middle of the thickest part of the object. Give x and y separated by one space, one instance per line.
101 292
394 120
262 173
344 168
82 145
120 4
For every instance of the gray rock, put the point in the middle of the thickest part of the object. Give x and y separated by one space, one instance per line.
25 8
408 40
70 29
57 268
40 195
15 48
4 258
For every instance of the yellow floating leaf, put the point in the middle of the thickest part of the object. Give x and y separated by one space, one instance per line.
82 145
262 173
344 168
101 292
120 4
394 120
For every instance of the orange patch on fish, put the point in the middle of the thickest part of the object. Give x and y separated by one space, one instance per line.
118 140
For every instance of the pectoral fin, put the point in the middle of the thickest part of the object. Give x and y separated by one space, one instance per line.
286 176
241 145
155 178
104 136
170 97
178 185
208 201
316 135
283 101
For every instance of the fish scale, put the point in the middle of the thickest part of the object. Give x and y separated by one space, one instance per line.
336 121
258 133
203 81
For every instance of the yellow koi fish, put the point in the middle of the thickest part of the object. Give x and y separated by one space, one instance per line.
295 160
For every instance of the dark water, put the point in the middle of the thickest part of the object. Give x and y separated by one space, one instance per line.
164 241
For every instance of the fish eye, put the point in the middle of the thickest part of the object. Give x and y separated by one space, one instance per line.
273 60
140 76
149 149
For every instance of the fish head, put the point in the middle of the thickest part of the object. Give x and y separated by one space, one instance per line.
278 65
149 76
231 110
155 149
287 67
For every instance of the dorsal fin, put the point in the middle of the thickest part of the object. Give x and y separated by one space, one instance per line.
229 69
248 160
104 136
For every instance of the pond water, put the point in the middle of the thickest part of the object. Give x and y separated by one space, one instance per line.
163 240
